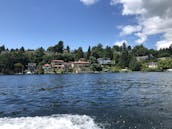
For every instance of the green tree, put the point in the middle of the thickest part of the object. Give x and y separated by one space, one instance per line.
108 52
2 48
116 57
123 59
51 49
59 47
40 70
97 51
22 49
19 67
7 63
88 54
68 49
134 65
93 60
96 67
78 53
39 55
116 48
165 64
67 57
124 47
140 50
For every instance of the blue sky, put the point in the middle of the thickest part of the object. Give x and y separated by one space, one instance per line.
36 23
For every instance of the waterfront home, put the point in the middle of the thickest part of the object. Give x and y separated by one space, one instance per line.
142 58
152 65
31 68
81 66
46 68
57 65
103 61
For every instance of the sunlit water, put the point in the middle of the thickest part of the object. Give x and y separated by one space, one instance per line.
86 101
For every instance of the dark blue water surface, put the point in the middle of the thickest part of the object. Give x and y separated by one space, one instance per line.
113 100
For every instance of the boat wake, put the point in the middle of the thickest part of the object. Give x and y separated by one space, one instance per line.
49 122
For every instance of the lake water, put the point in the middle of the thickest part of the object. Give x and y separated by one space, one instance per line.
86 101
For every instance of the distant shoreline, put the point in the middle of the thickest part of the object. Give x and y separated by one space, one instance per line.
91 73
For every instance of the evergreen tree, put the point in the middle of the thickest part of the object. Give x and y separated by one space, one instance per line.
59 47
39 55
134 65
88 53
97 51
22 49
123 59
116 48
108 52
68 49
2 48
78 53
140 50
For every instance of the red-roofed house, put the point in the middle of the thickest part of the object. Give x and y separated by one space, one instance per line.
81 66
57 65
46 68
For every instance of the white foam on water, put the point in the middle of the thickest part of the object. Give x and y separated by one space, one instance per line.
49 122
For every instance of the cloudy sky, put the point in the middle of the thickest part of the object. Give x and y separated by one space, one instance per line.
35 23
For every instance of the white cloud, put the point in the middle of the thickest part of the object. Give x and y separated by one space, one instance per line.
127 30
163 44
120 43
142 38
88 2
153 16
130 7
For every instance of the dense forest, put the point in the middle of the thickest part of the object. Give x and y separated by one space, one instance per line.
124 57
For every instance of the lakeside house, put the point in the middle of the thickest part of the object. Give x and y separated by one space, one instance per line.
46 68
81 66
152 65
31 68
103 61
57 65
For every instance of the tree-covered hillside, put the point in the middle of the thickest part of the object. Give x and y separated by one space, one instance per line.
14 60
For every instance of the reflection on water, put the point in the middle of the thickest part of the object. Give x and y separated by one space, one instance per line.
119 100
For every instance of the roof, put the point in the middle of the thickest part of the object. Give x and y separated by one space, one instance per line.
103 59
142 58
61 61
67 63
81 62
31 64
82 59
46 65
